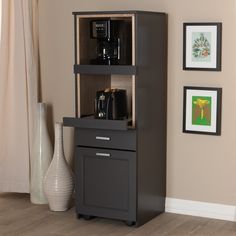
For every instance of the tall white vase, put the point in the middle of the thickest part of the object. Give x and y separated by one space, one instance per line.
41 157
59 180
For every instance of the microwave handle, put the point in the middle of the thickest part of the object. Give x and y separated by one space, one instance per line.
118 45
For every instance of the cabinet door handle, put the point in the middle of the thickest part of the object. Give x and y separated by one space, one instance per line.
103 138
103 154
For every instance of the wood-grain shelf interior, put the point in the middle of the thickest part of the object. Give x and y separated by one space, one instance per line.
89 84
92 78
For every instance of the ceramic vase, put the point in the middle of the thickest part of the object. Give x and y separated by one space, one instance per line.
59 180
41 157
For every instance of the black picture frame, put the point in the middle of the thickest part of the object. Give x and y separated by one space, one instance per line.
192 123
196 58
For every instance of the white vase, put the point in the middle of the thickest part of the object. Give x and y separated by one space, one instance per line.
59 180
41 157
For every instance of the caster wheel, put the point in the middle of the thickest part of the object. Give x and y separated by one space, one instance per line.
87 217
130 223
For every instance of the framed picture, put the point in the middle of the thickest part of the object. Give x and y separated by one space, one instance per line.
202 46
202 110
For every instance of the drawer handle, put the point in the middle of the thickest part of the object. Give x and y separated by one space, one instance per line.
103 154
103 138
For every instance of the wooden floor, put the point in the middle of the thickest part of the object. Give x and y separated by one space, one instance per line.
18 217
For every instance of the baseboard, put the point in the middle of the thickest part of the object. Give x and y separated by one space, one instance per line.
202 209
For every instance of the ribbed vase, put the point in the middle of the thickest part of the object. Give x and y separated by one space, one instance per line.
58 181
41 157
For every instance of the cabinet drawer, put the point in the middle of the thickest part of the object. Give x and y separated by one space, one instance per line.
123 140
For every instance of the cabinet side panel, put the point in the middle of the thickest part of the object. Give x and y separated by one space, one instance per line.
151 100
133 77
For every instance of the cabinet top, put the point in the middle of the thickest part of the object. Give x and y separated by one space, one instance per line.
115 12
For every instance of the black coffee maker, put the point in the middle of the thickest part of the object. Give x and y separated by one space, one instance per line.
108 43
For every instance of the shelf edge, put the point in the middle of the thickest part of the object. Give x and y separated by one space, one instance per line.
105 69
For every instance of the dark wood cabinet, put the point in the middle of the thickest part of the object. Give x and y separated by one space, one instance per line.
121 164
106 183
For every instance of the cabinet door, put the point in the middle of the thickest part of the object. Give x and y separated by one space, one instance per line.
106 183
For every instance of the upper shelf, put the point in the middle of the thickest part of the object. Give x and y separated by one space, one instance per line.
105 69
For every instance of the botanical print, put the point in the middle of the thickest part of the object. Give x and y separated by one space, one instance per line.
201 47
201 110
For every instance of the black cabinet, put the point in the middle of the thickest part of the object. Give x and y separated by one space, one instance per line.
121 164
106 183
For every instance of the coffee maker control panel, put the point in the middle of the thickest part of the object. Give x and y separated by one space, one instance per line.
100 29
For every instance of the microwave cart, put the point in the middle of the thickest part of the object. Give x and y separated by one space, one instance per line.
120 164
